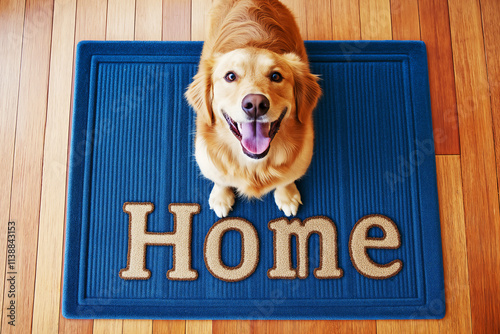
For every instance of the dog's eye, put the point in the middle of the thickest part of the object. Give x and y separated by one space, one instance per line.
276 77
230 77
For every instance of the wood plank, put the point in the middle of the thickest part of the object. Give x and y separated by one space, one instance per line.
457 319
478 164
232 326
137 326
345 20
177 18
490 12
91 20
435 32
169 326
405 20
375 19
121 20
90 25
148 20
313 326
198 326
346 24
11 28
199 19
27 175
108 326
47 297
76 326
319 21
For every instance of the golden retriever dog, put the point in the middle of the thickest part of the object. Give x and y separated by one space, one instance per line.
254 96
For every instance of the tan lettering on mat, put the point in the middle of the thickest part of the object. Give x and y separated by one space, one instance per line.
284 229
139 238
359 242
249 250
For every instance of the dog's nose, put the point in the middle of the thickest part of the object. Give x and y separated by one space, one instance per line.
255 105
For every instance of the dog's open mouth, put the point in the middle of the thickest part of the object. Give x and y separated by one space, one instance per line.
255 137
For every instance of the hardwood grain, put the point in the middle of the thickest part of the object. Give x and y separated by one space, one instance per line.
108 326
435 32
345 20
232 326
479 177
357 327
375 19
320 12
457 319
47 298
90 24
91 20
491 30
345 23
177 20
313 326
169 326
11 28
148 20
199 18
405 20
198 326
26 180
120 23
137 327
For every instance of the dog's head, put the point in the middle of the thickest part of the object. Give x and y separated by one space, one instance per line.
252 92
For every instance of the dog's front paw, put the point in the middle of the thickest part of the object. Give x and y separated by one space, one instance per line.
221 200
288 199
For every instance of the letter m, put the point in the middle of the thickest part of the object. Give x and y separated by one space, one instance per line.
284 229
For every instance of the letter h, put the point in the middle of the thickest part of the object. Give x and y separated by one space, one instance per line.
139 238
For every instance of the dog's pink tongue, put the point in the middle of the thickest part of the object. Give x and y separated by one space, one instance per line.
255 136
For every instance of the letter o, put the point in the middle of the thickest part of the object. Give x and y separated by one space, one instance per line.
249 250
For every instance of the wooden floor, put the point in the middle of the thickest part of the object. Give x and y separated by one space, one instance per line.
37 44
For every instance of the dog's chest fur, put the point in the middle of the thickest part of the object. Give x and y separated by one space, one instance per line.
220 160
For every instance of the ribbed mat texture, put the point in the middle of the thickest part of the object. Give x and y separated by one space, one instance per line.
133 141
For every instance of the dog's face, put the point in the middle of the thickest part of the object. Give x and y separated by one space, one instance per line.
253 92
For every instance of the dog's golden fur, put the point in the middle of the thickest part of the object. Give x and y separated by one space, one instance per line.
253 38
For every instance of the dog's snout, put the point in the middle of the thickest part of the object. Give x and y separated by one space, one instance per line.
255 105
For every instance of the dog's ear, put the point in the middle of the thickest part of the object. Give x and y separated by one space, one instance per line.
199 92
306 88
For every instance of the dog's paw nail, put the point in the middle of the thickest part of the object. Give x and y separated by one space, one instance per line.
221 211
221 201
288 200
290 209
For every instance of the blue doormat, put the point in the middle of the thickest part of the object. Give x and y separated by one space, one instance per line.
371 184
